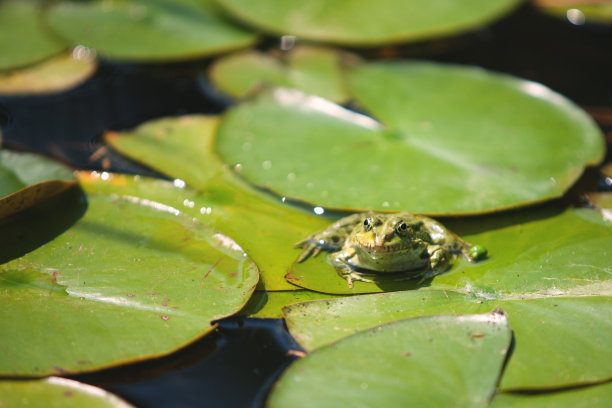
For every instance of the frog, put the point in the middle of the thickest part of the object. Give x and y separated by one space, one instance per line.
411 245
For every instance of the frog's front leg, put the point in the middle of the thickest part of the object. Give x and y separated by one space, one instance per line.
439 258
330 239
340 261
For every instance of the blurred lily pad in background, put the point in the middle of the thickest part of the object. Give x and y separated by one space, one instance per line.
263 226
312 69
56 392
427 361
362 23
447 140
23 39
56 74
133 279
147 31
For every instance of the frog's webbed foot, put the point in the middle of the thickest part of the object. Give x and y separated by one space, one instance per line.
308 250
351 275
475 253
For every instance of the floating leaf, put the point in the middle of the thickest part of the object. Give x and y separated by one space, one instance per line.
435 150
138 30
575 329
56 392
54 75
361 23
314 70
23 40
585 397
429 361
269 305
134 277
552 252
265 228
26 179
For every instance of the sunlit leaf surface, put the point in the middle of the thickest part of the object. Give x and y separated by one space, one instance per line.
314 70
132 279
435 146
558 341
426 362
367 23
56 392
138 30
54 75
264 227
23 40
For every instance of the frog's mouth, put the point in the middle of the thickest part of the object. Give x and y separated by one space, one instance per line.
384 248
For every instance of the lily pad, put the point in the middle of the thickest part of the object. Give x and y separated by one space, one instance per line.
269 305
53 75
312 69
553 252
559 342
138 30
436 149
264 227
427 362
56 392
359 23
23 40
26 179
585 397
135 277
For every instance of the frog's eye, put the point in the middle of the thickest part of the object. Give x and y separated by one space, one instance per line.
367 224
401 228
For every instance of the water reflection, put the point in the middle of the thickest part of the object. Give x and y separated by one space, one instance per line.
575 16
297 99
287 42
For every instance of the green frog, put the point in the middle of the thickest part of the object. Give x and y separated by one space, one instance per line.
371 242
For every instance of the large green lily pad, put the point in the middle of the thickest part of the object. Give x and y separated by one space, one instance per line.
134 277
427 362
269 305
56 392
533 252
53 75
23 40
558 341
26 179
314 70
264 227
362 23
138 30
586 397
448 139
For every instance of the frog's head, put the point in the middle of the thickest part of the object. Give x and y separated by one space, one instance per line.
390 233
